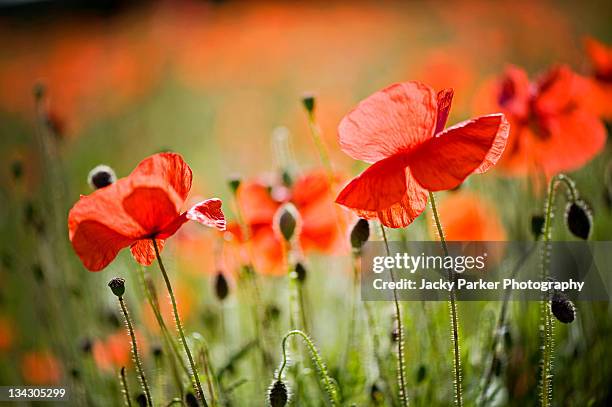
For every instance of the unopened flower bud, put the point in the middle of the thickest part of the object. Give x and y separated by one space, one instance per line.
278 395
562 308
86 345
101 176
537 223
360 234
117 286
234 183
157 351
376 394
191 400
308 100
578 219
286 221
221 286
141 400
300 272
17 169
421 373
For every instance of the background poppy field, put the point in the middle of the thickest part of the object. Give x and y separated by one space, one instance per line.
227 85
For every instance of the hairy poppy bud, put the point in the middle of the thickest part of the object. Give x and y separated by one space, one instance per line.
157 351
308 100
421 373
101 176
562 308
278 395
286 221
286 178
221 286
234 183
141 399
191 400
360 234
578 219
117 286
300 272
395 335
537 223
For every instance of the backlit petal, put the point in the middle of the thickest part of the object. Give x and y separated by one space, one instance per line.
395 119
96 244
445 99
208 213
152 205
255 203
171 168
144 252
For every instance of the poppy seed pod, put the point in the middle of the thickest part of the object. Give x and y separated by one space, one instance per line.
191 400
234 183
117 286
278 395
562 308
300 272
537 223
101 176
308 100
221 287
578 219
360 234
286 221
141 400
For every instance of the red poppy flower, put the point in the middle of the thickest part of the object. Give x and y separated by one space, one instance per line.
40 367
115 350
552 129
320 229
599 98
6 334
136 209
401 130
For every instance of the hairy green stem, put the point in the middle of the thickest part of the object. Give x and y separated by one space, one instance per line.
124 386
143 379
401 378
179 326
452 303
330 387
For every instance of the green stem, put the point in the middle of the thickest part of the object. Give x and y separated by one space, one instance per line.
330 388
452 303
179 326
143 379
124 386
316 136
400 332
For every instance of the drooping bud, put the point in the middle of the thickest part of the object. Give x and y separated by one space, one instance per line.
141 399
360 234
308 100
101 176
277 394
286 221
221 287
157 351
562 308
300 272
537 224
234 183
578 219
117 286
421 373
191 400
86 345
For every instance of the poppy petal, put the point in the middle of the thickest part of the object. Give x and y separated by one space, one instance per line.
151 206
471 146
385 191
208 213
255 203
445 99
171 168
395 119
96 244
144 252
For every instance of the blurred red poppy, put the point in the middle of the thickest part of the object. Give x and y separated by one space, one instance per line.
136 209
552 130
40 367
599 98
6 334
320 229
115 350
401 130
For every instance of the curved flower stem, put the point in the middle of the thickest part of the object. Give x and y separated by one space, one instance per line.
179 326
401 379
547 323
143 379
124 386
330 387
452 303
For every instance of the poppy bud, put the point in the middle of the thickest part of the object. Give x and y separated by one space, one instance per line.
562 308
86 345
286 178
191 400
101 176
157 351
300 272
308 100
37 270
537 223
272 312
376 395
141 400
39 90
234 183
421 373
117 286
286 221
578 219
278 395
395 335
360 234
221 287
17 169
